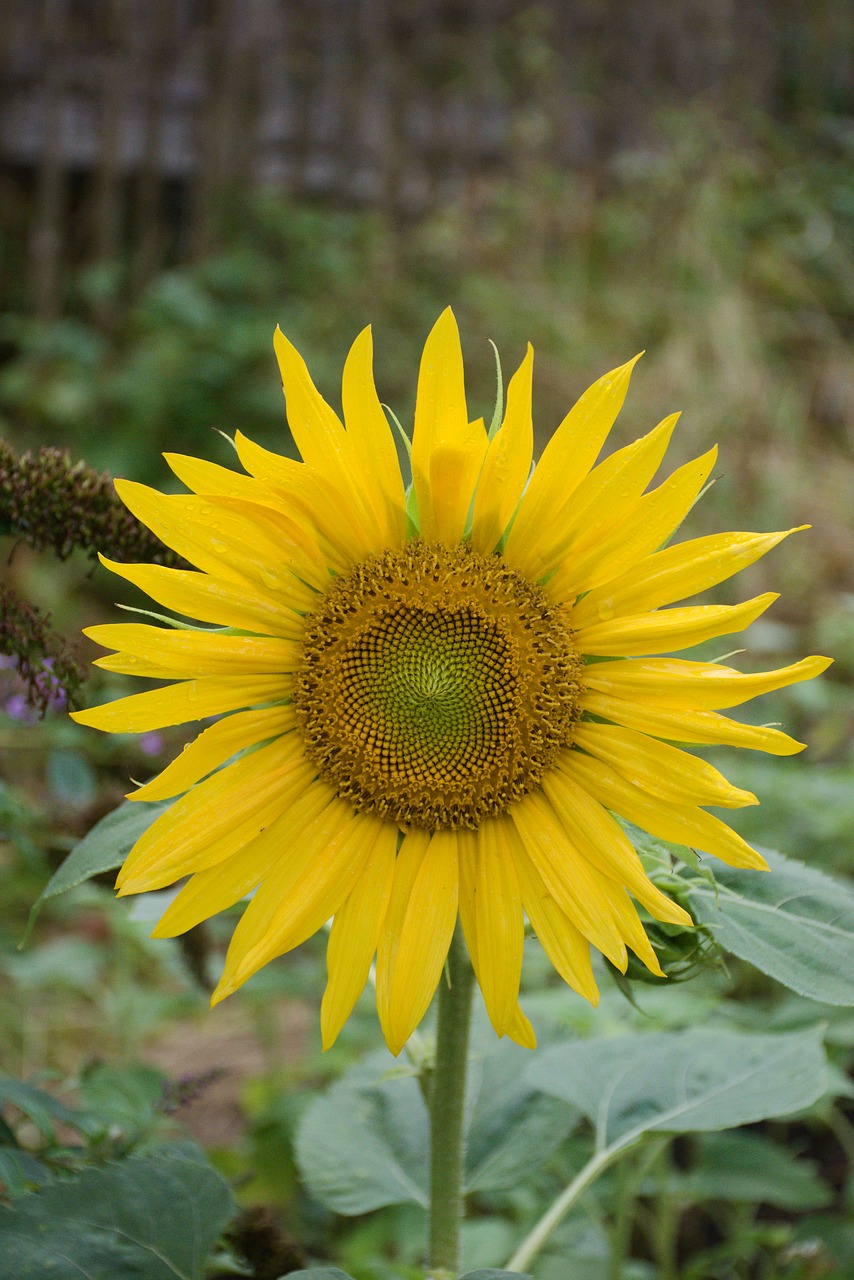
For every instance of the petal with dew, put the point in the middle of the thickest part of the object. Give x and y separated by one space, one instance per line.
211 821
568 457
343 533
695 686
652 521
304 888
354 935
183 703
202 477
212 599
659 769
604 499
213 747
670 629
196 653
230 538
675 574
218 887
320 436
691 726
680 824
507 463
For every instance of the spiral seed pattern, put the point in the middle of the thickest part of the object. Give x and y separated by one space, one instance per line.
436 686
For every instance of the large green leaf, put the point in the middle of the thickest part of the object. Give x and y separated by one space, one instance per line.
676 1082
102 849
151 1217
795 923
365 1143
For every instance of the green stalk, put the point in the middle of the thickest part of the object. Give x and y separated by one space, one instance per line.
447 1099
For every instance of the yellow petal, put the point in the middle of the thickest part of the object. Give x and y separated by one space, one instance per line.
212 599
675 574
517 1027
691 726
601 840
649 523
567 876
218 816
425 936
232 539
196 653
354 935
213 747
447 450
568 457
371 443
321 438
407 865
500 928
507 463
563 943
331 511
218 887
203 477
308 883
681 824
694 686
663 771
630 927
602 501
185 702
669 629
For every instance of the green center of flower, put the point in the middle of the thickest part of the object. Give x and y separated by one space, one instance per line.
436 686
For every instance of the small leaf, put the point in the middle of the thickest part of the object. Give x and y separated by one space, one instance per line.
745 1166
21 1172
151 1217
795 923
43 1110
104 848
676 1082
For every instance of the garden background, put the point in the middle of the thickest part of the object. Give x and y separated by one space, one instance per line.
176 178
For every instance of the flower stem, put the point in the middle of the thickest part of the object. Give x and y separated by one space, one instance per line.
447 1098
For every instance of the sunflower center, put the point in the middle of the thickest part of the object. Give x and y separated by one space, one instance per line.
436 686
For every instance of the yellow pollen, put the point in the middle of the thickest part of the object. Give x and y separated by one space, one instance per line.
436 686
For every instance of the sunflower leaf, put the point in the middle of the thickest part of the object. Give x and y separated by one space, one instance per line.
102 849
796 924
683 1082
318 1273
150 1217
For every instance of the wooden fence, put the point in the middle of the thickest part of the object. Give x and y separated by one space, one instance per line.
123 123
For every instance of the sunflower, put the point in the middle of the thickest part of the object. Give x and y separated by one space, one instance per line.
431 702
